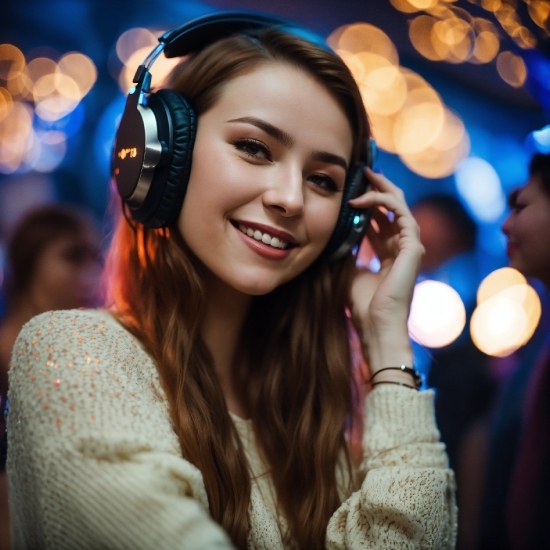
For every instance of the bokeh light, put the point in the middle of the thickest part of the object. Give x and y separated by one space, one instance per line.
539 10
12 61
507 314
497 281
437 315
363 37
408 116
478 184
6 102
34 97
512 69
540 137
132 40
163 66
496 324
81 69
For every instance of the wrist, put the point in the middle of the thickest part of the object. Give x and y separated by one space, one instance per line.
402 375
392 354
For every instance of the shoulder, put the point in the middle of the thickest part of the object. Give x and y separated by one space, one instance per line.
80 374
82 364
85 337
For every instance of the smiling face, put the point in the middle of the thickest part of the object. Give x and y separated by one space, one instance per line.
269 168
528 230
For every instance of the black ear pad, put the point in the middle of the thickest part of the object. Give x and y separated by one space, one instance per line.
177 128
356 184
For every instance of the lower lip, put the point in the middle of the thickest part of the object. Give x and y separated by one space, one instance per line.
510 249
263 249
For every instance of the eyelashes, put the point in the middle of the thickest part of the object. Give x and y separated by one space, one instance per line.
253 148
257 150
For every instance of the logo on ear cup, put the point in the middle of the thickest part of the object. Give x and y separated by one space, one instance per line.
127 152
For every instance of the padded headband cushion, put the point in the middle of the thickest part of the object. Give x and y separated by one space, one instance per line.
183 126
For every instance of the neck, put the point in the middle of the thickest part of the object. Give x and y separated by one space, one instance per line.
225 313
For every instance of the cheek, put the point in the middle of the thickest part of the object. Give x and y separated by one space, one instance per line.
321 220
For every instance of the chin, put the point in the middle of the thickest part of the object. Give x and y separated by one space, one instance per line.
255 287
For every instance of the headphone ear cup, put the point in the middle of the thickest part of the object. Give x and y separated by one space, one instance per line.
177 128
356 184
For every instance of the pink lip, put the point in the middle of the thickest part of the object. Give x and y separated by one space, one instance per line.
511 248
262 249
280 234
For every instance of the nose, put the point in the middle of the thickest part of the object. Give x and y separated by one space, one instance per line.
285 193
506 225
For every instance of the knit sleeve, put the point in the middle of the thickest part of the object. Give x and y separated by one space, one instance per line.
92 458
407 497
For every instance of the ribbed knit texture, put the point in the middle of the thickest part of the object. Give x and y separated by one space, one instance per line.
93 461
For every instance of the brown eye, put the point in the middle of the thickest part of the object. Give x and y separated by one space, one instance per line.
253 148
324 182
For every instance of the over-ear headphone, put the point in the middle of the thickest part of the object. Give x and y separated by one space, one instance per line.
153 146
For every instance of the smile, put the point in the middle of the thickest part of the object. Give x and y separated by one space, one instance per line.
265 238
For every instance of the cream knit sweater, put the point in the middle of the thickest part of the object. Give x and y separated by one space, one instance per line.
93 462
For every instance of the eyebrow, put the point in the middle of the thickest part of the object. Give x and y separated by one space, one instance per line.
329 158
288 141
280 135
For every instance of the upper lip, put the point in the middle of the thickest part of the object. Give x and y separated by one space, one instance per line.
279 233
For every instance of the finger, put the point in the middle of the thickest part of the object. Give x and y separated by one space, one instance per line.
380 182
382 220
392 202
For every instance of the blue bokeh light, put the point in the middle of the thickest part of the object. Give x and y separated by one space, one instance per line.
479 187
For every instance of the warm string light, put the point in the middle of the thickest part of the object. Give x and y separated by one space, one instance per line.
34 95
408 116
445 32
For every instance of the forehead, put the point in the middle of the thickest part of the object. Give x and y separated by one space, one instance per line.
277 78
291 99
532 189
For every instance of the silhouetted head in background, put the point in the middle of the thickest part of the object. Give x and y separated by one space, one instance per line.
53 260
446 229
528 225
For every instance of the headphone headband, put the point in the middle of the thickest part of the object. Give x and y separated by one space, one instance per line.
203 31
207 29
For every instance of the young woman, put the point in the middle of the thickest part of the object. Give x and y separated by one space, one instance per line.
210 406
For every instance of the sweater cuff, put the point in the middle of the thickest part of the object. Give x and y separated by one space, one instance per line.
397 416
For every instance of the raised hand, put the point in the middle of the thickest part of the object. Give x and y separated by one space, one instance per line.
380 302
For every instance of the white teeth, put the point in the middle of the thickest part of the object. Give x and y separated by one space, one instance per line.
263 237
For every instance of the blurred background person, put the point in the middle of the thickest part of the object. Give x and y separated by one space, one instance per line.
515 508
459 372
53 261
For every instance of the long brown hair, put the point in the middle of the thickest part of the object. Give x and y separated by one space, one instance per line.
296 361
